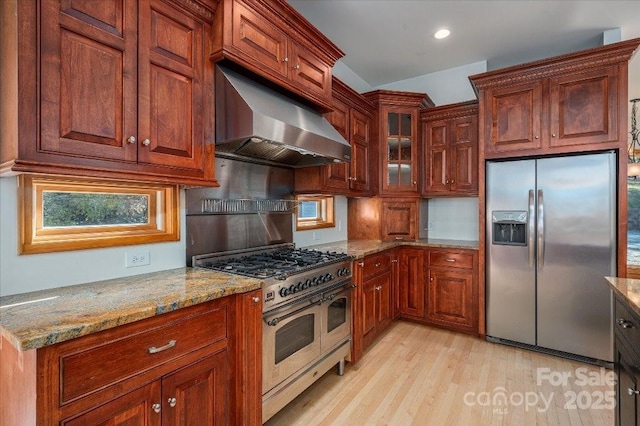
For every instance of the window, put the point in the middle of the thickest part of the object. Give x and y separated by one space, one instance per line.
63 213
313 212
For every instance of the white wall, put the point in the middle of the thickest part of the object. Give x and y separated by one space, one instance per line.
326 235
453 218
21 274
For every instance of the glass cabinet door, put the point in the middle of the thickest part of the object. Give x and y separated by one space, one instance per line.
400 152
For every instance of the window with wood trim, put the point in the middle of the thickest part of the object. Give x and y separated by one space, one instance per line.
59 213
314 212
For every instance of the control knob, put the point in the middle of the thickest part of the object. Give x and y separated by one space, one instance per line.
328 277
292 288
320 279
284 292
300 286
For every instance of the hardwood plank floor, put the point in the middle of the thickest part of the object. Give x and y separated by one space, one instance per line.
420 375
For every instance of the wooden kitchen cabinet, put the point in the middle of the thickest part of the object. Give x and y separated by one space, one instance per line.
411 283
272 40
151 372
626 361
452 300
399 220
125 90
375 310
398 139
351 116
450 166
571 103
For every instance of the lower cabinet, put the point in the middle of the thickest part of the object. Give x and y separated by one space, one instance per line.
196 394
197 365
439 287
377 305
627 364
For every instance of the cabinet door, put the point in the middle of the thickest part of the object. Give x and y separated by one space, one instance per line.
412 292
135 408
369 310
308 71
583 108
513 117
337 175
197 394
88 86
260 41
170 80
399 221
360 125
451 297
384 302
463 161
436 136
399 151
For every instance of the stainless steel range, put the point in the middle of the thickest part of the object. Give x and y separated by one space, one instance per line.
306 314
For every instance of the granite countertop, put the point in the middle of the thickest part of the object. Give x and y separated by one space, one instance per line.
41 318
361 248
627 289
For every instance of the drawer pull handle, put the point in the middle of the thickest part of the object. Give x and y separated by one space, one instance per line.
624 323
156 407
399 238
377 264
633 392
155 350
172 402
448 259
361 264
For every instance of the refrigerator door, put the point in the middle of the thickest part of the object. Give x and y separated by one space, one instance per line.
576 250
510 269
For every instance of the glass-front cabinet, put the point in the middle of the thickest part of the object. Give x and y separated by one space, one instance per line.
398 135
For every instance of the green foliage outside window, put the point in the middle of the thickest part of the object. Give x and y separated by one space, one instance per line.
66 209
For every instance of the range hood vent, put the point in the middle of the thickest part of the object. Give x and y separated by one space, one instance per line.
257 124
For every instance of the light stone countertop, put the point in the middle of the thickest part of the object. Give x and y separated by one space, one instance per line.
361 248
41 318
627 289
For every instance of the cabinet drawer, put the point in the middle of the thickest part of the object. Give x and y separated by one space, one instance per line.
627 326
118 357
450 259
375 264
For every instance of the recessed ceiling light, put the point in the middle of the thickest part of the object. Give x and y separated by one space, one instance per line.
443 33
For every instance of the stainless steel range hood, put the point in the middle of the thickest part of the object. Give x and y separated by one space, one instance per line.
257 124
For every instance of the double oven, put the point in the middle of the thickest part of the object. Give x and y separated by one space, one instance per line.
307 305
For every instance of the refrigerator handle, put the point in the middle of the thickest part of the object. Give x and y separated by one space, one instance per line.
531 234
540 229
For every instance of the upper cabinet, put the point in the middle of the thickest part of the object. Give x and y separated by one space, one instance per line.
274 41
398 139
351 116
450 165
574 102
115 88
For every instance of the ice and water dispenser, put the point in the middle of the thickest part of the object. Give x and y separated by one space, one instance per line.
509 227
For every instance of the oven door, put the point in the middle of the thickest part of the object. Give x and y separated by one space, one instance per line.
336 316
291 340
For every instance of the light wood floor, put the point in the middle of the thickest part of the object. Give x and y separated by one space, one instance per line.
419 375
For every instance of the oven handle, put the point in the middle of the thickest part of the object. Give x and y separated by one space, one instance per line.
340 292
274 321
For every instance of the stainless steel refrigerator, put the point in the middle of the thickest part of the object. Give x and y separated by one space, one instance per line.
550 241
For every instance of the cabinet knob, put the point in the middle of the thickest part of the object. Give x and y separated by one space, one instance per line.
360 264
131 139
633 391
415 183
285 59
296 67
453 181
431 279
446 181
156 407
537 137
553 135
255 299
146 142
377 264
172 402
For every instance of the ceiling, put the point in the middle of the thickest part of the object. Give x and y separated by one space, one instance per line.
390 41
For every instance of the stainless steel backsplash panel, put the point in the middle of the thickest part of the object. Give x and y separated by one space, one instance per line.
211 233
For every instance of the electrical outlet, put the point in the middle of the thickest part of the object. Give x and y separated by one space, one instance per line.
137 258
315 236
430 226
339 226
